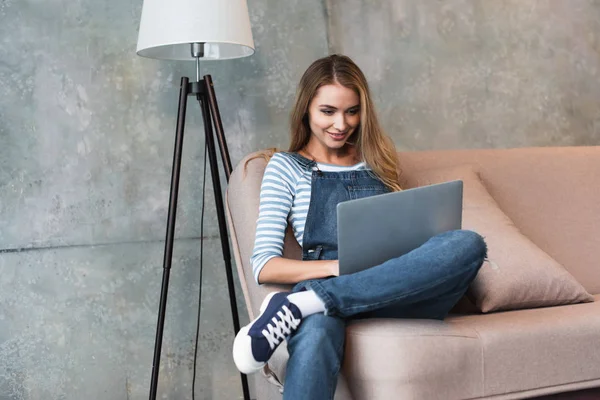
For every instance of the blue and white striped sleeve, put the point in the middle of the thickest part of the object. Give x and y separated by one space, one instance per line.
276 197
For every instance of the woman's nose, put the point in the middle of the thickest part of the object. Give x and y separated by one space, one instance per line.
340 123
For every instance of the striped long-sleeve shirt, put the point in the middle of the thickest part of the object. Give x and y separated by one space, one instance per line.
284 198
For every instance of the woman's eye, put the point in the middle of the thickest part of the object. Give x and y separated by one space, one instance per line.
327 112
353 112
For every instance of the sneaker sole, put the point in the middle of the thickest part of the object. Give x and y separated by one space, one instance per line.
242 345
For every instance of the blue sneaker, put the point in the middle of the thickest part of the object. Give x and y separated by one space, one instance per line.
256 342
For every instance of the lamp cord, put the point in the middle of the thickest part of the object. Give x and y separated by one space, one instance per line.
200 281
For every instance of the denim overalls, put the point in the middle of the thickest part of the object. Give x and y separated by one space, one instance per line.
425 283
327 190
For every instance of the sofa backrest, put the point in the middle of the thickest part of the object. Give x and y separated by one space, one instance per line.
552 195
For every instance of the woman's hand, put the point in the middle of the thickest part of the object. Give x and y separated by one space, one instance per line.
334 267
285 270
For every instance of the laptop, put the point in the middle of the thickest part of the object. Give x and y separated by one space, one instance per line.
375 229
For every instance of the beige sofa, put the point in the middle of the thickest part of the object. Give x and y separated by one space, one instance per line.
553 196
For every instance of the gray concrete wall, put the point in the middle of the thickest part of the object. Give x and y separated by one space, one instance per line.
476 73
86 138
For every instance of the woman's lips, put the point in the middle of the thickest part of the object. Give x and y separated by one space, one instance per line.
337 136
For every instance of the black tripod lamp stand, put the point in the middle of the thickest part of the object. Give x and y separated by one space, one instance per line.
195 30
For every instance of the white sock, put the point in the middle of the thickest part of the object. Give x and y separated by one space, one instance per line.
307 302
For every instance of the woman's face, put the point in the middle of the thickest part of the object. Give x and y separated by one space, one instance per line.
333 115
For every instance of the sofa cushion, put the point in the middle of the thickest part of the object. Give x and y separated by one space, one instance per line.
517 274
412 359
476 356
550 193
538 349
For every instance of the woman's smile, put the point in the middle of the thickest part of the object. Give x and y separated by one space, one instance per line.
338 136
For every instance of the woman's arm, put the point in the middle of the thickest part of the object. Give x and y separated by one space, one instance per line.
276 197
285 270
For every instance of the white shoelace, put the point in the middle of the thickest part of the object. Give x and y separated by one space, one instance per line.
279 328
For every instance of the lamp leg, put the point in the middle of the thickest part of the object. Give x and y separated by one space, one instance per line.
216 117
212 155
168 254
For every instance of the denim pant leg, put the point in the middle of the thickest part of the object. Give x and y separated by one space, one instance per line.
441 268
435 308
316 351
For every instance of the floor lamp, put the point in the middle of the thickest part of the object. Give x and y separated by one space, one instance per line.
195 30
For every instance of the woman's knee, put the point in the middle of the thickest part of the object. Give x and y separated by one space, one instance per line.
467 249
472 242
318 331
321 325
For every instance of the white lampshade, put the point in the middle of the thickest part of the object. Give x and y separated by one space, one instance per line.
169 27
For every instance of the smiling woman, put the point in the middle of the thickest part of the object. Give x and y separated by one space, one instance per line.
337 146
334 121
334 107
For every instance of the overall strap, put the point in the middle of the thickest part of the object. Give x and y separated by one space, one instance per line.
304 162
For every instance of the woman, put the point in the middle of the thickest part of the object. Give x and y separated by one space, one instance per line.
336 144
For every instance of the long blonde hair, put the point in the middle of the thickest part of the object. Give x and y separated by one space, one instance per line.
373 145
